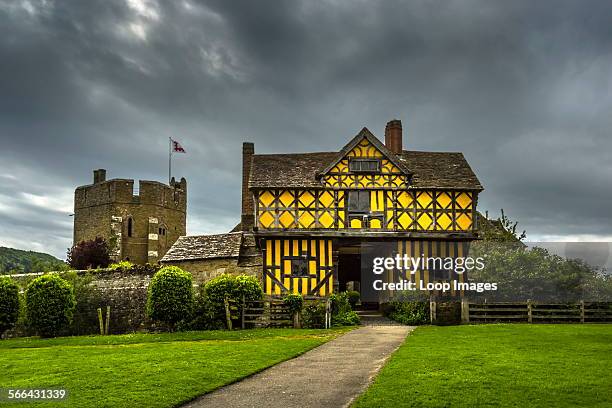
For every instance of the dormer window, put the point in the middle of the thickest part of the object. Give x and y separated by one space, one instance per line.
364 165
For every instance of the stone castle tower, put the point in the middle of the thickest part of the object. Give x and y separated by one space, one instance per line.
141 224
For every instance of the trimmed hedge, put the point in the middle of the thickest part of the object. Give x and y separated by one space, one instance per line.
409 312
50 305
9 304
170 296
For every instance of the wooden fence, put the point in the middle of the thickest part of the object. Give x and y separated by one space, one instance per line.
533 312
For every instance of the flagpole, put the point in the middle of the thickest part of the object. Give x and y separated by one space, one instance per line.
169 160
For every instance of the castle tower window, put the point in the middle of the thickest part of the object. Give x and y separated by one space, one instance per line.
299 267
364 165
130 227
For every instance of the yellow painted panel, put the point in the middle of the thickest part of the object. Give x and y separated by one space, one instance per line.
326 199
330 283
355 223
295 248
306 199
286 198
443 221
326 220
266 219
286 219
277 262
424 221
306 219
266 198
464 200
443 200
424 199
404 199
464 221
268 263
404 221
375 223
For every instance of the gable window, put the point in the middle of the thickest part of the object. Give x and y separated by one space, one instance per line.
299 267
359 201
364 165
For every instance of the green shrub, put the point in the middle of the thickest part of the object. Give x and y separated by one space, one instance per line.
249 287
206 314
294 303
170 297
313 315
121 266
9 304
353 298
50 304
346 319
339 303
221 287
410 313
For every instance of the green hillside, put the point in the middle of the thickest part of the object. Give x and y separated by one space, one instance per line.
18 261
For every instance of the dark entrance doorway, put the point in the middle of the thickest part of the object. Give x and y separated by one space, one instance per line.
350 273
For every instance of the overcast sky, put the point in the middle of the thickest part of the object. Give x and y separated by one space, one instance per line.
523 89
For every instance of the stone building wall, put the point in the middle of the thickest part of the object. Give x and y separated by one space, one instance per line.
204 270
157 212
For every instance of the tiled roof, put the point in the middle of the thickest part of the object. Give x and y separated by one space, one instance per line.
429 170
193 247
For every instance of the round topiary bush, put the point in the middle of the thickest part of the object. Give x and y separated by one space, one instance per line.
9 304
50 304
249 287
170 296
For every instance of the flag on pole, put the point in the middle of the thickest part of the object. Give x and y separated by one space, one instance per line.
176 147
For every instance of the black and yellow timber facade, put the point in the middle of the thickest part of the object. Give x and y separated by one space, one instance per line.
310 213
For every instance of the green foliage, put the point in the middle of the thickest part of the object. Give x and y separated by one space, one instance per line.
121 266
353 298
411 313
537 274
313 314
17 261
90 254
294 302
9 304
249 287
170 296
207 314
50 304
502 229
88 299
341 310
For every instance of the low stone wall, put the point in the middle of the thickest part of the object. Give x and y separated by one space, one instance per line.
125 292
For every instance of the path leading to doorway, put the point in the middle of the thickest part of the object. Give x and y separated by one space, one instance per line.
332 375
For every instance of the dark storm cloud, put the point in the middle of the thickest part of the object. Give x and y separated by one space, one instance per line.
524 89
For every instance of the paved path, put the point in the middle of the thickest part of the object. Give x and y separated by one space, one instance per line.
331 375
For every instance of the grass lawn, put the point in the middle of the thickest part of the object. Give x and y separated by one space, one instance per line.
512 365
147 370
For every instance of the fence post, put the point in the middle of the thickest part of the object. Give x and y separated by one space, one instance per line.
242 313
529 312
107 320
228 317
432 311
327 313
100 321
465 311
582 311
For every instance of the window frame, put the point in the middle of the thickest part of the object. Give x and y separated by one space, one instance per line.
360 208
299 267
360 161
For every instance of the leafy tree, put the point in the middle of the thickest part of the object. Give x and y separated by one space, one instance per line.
20 261
94 253
9 304
50 304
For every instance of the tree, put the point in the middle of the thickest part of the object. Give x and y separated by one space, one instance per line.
94 253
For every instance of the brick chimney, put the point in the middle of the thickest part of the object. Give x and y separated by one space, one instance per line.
393 136
99 176
248 210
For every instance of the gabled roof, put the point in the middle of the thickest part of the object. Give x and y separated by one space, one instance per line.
429 170
195 247
365 134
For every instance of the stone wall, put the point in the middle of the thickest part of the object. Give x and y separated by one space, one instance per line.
206 269
157 212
